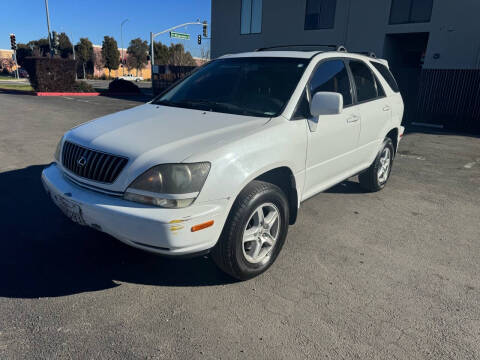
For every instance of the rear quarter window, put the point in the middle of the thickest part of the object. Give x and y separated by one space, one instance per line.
387 75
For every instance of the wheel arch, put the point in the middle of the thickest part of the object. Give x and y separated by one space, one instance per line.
393 135
283 178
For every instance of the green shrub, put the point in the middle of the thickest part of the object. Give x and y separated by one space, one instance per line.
82 86
123 86
51 75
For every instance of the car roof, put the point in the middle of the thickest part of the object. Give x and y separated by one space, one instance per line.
302 55
283 54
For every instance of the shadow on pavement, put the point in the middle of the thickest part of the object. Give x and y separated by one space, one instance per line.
44 254
412 129
347 187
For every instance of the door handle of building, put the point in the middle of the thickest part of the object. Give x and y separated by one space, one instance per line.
386 108
353 118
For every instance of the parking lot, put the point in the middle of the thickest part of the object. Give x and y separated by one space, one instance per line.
387 275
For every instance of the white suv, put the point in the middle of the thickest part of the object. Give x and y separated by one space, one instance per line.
221 162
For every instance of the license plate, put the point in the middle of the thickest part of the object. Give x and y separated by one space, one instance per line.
70 208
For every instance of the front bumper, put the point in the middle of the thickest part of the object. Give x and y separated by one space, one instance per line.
164 231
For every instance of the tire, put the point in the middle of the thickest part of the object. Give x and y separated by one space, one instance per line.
245 259
376 176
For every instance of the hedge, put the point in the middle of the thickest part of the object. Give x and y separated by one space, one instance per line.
123 86
51 74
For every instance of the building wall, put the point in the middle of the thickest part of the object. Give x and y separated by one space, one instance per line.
6 61
6 54
360 25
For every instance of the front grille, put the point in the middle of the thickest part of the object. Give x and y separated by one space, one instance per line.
91 164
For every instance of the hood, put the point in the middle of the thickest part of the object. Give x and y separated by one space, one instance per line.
152 134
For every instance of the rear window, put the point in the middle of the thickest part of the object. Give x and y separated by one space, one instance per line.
387 75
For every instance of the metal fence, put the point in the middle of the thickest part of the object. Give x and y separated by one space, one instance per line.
450 98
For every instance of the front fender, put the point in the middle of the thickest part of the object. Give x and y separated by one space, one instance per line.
279 143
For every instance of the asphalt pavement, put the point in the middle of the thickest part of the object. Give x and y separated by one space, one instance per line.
388 275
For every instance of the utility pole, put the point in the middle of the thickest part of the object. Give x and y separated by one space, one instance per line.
121 42
73 48
48 26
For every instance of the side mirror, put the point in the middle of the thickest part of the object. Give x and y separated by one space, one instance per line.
326 103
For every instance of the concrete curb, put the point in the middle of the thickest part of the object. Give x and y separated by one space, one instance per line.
67 94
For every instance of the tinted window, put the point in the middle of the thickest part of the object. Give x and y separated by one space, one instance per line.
303 108
251 17
387 75
410 11
320 14
332 76
365 82
244 86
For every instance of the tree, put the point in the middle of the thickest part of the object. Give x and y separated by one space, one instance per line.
23 50
179 57
162 54
173 55
138 52
130 63
84 52
110 54
40 47
65 47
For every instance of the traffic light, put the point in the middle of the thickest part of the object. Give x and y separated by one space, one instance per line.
55 42
199 39
13 42
205 32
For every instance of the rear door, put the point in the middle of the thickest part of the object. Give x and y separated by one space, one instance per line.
332 139
374 107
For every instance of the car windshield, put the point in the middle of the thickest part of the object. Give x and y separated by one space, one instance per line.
246 86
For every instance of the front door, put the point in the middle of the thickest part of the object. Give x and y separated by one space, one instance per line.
332 139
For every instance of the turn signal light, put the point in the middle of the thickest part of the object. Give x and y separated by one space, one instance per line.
202 226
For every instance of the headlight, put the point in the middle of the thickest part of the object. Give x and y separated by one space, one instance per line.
57 150
169 185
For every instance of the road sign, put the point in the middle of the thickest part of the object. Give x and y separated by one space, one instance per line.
174 34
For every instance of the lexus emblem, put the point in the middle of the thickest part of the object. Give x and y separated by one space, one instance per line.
82 161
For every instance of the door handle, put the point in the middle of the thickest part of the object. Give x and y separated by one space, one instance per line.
386 108
353 119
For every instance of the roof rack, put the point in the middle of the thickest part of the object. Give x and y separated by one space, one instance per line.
367 53
336 47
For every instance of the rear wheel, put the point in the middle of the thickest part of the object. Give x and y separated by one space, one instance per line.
254 232
376 176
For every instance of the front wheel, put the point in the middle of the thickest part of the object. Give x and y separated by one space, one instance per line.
254 232
376 176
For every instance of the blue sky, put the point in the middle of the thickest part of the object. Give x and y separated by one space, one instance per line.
96 18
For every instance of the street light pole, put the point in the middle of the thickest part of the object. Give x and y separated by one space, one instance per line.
48 27
121 41
73 48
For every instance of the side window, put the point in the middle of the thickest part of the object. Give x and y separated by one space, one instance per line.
387 75
332 76
303 108
380 91
365 81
